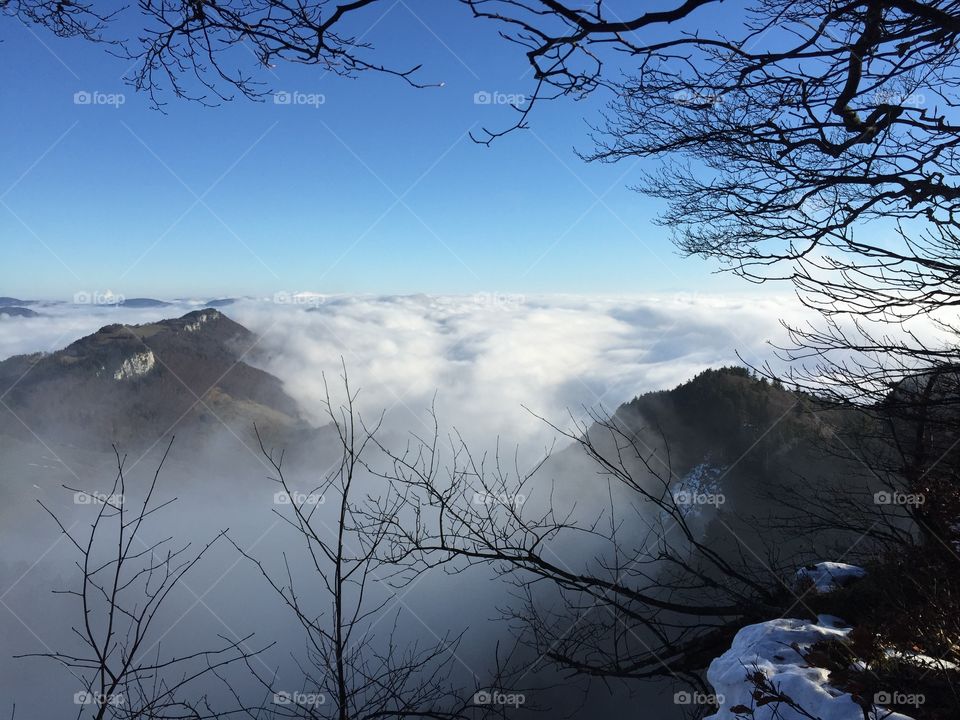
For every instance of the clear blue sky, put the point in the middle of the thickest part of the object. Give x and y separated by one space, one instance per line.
300 197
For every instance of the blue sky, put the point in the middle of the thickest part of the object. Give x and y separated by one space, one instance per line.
376 190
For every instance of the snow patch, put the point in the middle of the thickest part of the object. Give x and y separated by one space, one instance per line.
828 576
921 660
775 649
135 366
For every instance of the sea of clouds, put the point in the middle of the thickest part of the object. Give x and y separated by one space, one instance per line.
486 361
480 359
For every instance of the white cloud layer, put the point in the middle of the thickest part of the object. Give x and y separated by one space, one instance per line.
487 356
484 357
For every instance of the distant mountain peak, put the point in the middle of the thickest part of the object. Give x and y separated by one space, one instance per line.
198 318
130 351
14 311
141 302
206 322
131 382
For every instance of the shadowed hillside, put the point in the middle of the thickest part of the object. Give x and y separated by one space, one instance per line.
133 383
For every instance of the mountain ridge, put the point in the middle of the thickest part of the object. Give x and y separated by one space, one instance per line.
131 383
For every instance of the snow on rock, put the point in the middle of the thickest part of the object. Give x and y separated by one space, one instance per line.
772 648
921 660
828 576
135 366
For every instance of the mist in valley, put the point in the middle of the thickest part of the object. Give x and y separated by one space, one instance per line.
413 362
